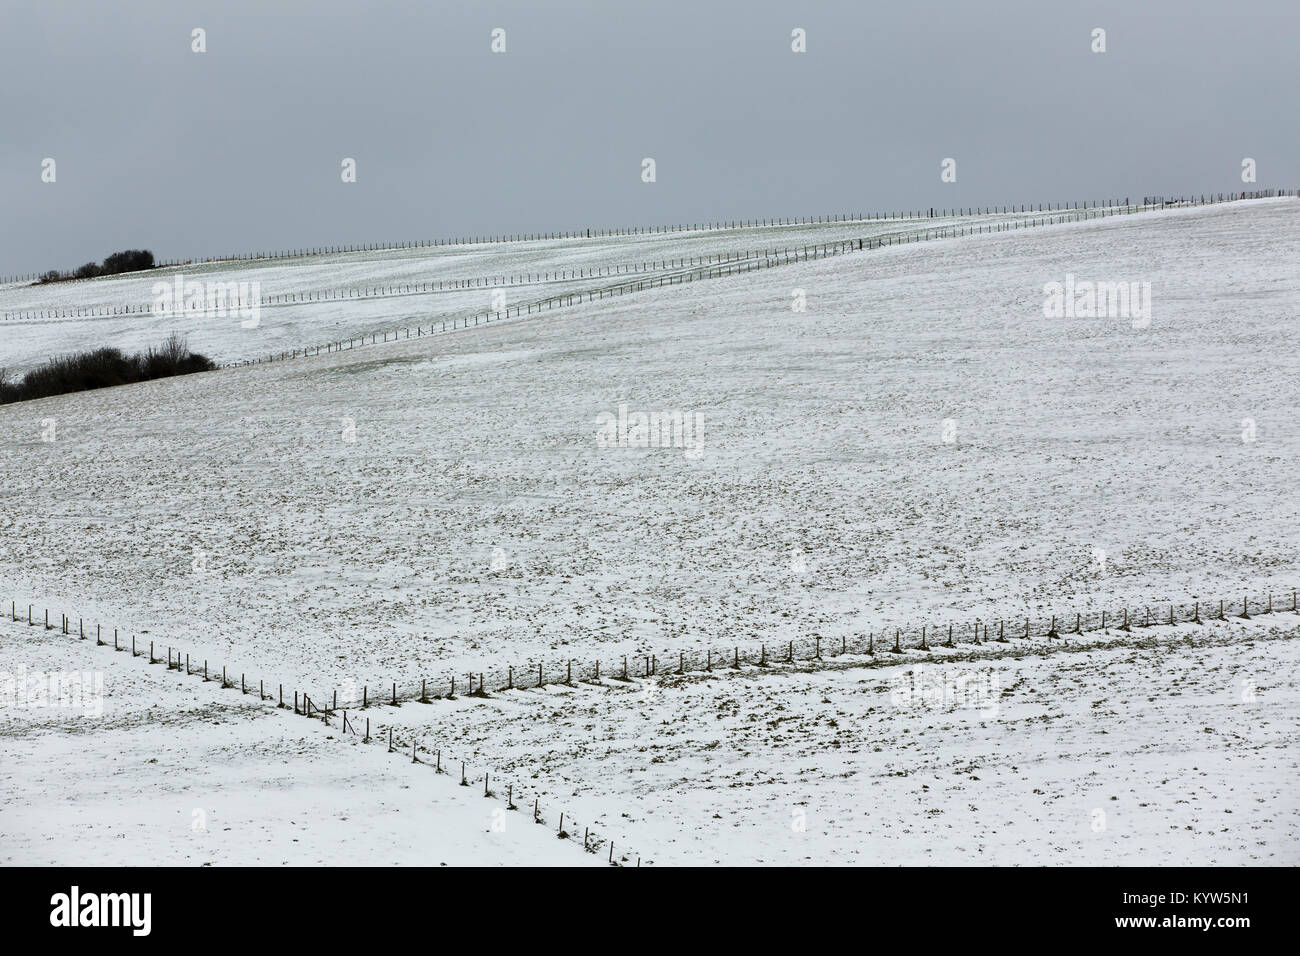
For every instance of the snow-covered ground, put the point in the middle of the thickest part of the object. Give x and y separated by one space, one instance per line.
442 504
1185 739
169 770
1173 745
922 443
522 271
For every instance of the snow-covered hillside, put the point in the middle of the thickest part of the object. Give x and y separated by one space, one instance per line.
165 770
314 299
919 441
439 504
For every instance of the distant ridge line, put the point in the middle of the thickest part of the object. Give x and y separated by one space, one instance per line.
590 233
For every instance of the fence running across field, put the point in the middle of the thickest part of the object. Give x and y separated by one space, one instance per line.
721 262
899 640
885 644
743 263
366 293
648 267
588 233
352 725
912 637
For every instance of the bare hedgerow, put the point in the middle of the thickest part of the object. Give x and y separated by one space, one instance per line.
103 368
130 260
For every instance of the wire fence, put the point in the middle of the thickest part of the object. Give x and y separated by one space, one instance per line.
418 288
351 725
584 233
596 233
366 292
741 263
724 226
901 640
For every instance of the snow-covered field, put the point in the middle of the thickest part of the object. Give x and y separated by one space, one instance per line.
523 271
169 770
920 443
1185 739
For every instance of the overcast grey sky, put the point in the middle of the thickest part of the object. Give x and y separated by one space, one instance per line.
239 148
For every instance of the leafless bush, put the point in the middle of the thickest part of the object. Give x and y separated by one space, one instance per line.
101 368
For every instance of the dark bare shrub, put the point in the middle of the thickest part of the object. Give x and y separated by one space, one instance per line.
131 260
102 368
